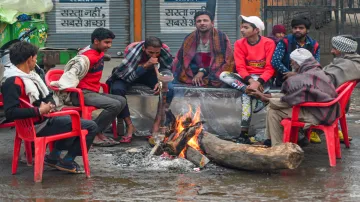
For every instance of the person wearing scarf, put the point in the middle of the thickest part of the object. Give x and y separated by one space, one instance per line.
138 66
204 54
21 81
309 84
345 67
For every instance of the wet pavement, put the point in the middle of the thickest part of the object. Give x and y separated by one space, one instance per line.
127 173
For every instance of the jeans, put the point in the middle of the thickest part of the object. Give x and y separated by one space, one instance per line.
149 78
62 124
112 105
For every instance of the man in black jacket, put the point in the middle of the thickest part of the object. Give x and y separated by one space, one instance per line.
20 81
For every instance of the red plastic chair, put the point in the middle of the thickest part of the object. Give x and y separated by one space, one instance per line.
291 126
25 131
54 75
5 125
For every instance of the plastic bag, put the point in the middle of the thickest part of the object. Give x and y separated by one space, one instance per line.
10 9
27 6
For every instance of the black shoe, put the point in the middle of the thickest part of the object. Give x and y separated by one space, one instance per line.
69 166
303 142
50 162
259 106
243 138
267 142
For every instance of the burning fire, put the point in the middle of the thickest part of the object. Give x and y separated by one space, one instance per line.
180 120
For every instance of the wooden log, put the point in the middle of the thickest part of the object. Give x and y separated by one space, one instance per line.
174 147
196 157
250 157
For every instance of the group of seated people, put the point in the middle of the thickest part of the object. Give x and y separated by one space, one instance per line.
205 59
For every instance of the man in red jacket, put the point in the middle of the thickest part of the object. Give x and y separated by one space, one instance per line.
112 105
252 55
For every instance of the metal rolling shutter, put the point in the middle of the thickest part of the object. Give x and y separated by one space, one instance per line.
226 21
119 19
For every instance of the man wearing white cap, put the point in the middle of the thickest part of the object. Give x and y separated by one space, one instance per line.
308 84
252 55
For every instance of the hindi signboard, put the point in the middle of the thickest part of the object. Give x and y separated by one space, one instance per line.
81 16
177 16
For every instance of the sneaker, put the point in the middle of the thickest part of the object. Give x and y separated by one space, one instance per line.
341 137
69 166
314 137
259 106
244 138
50 162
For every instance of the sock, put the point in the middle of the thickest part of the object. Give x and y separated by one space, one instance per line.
69 157
55 154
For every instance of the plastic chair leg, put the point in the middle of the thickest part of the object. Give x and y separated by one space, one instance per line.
287 133
337 142
15 161
85 155
308 133
114 129
40 147
51 146
344 130
86 114
330 142
294 136
28 152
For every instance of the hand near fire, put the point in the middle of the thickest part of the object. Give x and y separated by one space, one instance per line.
198 79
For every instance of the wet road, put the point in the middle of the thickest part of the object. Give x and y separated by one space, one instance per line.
125 173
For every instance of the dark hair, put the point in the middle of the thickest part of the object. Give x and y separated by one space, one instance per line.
153 42
22 51
251 24
101 34
301 20
197 14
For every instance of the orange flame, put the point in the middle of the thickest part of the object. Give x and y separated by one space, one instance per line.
179 127
182 154
193 142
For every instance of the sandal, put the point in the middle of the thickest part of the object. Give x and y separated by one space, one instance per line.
69 166
105 142
126 139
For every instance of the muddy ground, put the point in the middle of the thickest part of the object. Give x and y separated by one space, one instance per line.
127 173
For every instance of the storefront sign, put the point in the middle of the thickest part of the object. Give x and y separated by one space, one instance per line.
177 16
81 16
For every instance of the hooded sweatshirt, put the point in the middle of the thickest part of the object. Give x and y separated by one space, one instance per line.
344 69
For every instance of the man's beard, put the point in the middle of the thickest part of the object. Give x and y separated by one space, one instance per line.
204 31
299 36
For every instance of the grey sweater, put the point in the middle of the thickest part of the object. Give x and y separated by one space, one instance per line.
344 69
